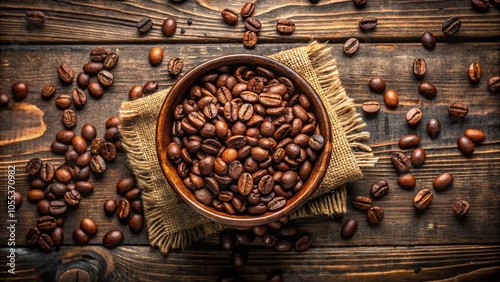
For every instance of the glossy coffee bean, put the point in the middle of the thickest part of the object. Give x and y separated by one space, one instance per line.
377 84
57 207
156 56
33 166
46 222
303 243
359 3
175 66
110 206
135 92
57 236
4 100
123 209
375 215
427 90
136 223
229 16
169 27
419 67
227 239
48 91
475 135
283 245
98 164
65 73
35 18
285 26
458 109
81 237
45 243
79 98
89 132
250 39
112 239
494 85
451 26
111 60
72 197
379 189
418 156
461 207
247 9
20 90
428 40
89 226
391 98
407 181
105 78
413 116
401 162
433 128
253 24
63 101
362 202
423 199
351 46
69 119
409 141
79 144
443 181
58 148
368 24
144 25
98 54
475 72
349 228
95 89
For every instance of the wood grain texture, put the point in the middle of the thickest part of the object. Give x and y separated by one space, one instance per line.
335 20
31 126
135 263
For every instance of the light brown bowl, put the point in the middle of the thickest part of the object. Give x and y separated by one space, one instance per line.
163 138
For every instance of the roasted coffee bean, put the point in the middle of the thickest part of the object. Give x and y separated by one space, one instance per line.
413 116
112 134
32 236
269 240
359 3
144 25
257 209
494 85
458 109
123 209
20 90
33 166
89 132
72 197
227 239
106 78
175 66
351 46
36 195
349 228
47 171
98 54
108 151
391 98
247 9
46 222
96 145
427 90
317 142
283 245
419 67
169 27
136 223
111 60
229 16
428 40
407 181
303 243
377 84
465 145
422 199
135 193
451 26
57 207
362 203
63 101
156 56
249 39
433 128
63 176
83 80
45 242
58 148
97 164
82 174
245 183
409 141
375 215
370 107
418 156
65 136
204 196
112 239
80 237
401 162
379 189
89 227
92 68
125 185
35 18
461 207
48 91
79 98
43 207
276 203
475 72
285 26
57 236
253 24
475 135
79 144
65 73
95 89
368 24
110 206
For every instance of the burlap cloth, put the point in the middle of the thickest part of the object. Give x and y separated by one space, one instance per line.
173 224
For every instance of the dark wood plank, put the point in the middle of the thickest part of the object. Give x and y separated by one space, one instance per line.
106 22
475 178
423 263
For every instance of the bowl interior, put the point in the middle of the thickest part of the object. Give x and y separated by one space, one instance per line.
181 89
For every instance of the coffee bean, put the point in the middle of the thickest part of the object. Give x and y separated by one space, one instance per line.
458 109
105 78
283 245
4 100
175 66
391 98
35 195
65 73
433 128
58 148
32 236
108 152
247 9
249 39
112 239
317 142
80 237
475 135
427 90
98 54
111 60
351 46
401 162
169 27
359 3
79 144
48 91
72 197
428 40
407 181
379 189
20 90
144 25
35 18
451 26
95 89
276 203
494 85
475 72
409 141
46 222
63 176
465 146
253 24
375 215
92 68
362 203
123 209
112 134
285 26
368 24
33 166
422 199
43 207
135 92
377 84
349 228
461 207
125 185
89 226
89 132
418 156
303 243
79 98
65 136
45 242
413 116
156 56
47 170
57 207
97 164
419 67
57 236
110 206
136 223
229 16
63 101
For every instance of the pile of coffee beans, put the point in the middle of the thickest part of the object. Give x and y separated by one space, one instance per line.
244 141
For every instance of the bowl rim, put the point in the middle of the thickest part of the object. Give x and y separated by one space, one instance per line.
241 220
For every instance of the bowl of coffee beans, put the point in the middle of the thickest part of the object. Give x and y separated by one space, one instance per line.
243 139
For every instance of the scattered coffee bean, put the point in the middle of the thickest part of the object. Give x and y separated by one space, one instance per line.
359 3
377 84
475 135
283 245
247 9
156 56
368 24
144 25
407 181
79 98
98 54
33 166
362 203
175 66
92 68
427 90
475 72
249 39
45 242
422 199
375 215
413 116
4 100
95 89
110 206
35 18
105 78
494 85
57 236
458 109
461 207
20 90
253 24
379 189
123 209
135 92
80 237
418 156
150 87
72 197
443 181
419 67
409 141
229 16
451 26
136 223
351 46
58 148
83 80
169 27
63 101
48 91
32 236
65 73
433 128
303 243
89 226
465 145
428 40
391 98
349 228
401 162
98 164
371 107
111 60
285 26
480 5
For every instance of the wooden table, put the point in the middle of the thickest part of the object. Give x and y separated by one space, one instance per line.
408 245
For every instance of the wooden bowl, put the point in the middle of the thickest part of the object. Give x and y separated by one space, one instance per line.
163 138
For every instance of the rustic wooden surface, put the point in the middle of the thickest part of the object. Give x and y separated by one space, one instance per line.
407 245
